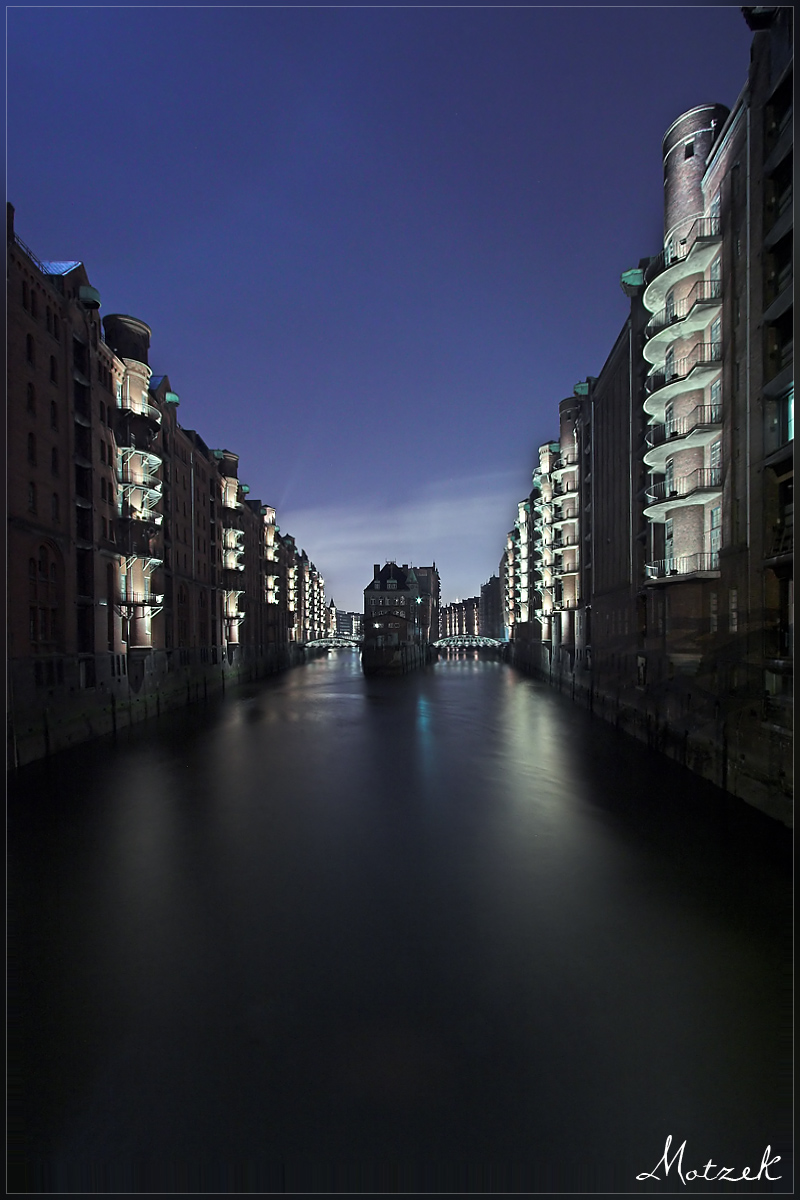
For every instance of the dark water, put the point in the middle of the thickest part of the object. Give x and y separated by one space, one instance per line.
440 932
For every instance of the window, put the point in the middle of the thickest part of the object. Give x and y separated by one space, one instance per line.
713 616
34 304
715 270
669 363
716 392
54 461
25 301
30 352
56 328
30 402
53 370
102 489
733 610
391 585
102 413
688 149
102 452
53 415
32 497
54 507
716 330
49 320
715 454
32 449
715 533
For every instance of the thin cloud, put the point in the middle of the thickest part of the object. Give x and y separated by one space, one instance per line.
459 524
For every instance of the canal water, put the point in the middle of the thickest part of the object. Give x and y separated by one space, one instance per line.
440 932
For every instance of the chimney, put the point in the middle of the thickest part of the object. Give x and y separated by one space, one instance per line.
376 570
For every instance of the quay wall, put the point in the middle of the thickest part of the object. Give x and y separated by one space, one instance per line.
738 748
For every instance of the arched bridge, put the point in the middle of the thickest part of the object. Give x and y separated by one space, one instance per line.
331 643
467 641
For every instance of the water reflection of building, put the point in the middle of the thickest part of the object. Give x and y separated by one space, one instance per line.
140 570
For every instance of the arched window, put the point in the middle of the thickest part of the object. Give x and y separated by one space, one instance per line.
31 398
54 461
24 294
32 449
30 352
53 415
53 370
56 327
54 507
32 497
43 562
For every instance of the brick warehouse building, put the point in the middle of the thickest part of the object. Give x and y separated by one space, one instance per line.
686 517
140 573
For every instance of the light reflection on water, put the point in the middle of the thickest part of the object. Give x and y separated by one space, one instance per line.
448 914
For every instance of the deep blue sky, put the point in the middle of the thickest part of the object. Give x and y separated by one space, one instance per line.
375 246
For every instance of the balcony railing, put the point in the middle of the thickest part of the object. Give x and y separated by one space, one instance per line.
140 599
139 479
702 415
704 229
705 291
685 564
703 354
702 480
142 409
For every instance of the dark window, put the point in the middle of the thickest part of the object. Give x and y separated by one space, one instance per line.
53 415
54 461
49 320
102 413
32 449
31 398
56 328
34 304
53 370
24 294
32 497
54 508
688 150
30 352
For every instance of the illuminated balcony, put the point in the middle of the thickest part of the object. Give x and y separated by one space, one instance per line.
703 484
141 600
692 313
567 462
687 565
131 478
684 375
697 429
691 255
140 408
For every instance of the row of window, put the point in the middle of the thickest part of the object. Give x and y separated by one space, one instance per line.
30 355
30 405
33 502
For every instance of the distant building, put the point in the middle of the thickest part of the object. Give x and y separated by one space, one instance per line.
395 624
490 609
461 617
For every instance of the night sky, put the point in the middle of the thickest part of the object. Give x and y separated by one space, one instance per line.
375 246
